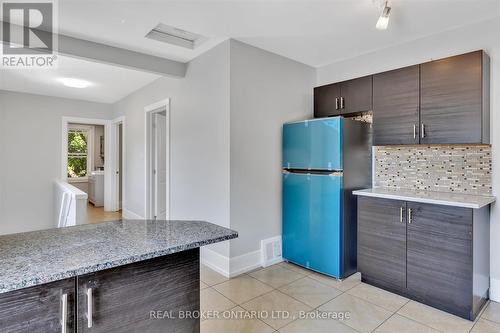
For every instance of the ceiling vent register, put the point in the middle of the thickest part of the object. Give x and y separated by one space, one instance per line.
171 35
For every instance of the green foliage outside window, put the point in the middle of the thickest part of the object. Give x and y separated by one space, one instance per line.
77 154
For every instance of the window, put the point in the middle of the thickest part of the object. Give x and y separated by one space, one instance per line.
79 152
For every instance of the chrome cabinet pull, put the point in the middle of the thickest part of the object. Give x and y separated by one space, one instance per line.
336 103
90 309
414 131
410 217
64 313
423 130
401 215
342 104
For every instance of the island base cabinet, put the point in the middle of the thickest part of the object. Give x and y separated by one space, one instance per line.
48 308
149 296
437 255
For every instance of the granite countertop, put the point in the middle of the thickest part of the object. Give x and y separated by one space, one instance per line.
438 198
38 257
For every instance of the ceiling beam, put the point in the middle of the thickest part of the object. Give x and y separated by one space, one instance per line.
84 49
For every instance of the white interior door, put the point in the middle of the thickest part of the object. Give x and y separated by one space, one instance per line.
118 164
160 166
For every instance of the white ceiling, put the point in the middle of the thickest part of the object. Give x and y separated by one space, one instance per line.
314 32
109 83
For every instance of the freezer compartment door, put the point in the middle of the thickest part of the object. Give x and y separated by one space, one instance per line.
313 145
312 221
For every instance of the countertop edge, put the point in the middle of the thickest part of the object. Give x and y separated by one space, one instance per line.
422 200
5 288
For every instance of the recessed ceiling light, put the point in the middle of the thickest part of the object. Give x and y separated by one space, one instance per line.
383 20
74 83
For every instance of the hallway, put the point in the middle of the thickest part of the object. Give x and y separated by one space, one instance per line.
98 215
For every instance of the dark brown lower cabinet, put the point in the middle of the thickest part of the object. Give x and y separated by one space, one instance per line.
445 258
47 308
382 243
153 296
141 297
439 257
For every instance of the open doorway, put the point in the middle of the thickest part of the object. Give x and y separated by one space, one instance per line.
157 161
92 162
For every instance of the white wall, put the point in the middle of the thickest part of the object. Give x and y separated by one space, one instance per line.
267 90
482 35
199 141
30 146
226 118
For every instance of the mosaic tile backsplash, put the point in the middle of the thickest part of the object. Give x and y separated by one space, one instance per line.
442 168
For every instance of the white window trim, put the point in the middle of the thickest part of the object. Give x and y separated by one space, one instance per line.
90 151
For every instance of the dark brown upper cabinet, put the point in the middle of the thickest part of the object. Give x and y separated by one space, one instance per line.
346 97
327 101
396 107
356 95
455 99
445 101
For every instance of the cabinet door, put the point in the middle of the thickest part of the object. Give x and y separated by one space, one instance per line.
39 309
439 258
357 95
382 242
451 100
327 100
142 297
396 107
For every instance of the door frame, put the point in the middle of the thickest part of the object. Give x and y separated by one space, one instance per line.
160 106
109 149
64 138
112 146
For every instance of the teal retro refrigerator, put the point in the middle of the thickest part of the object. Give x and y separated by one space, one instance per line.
324 160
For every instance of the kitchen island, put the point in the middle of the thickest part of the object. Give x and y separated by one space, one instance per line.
109 277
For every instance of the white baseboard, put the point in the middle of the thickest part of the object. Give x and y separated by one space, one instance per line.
127 214
495 289
244 263
215 261
230 267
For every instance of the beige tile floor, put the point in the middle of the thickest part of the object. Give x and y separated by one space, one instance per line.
98 215
290 288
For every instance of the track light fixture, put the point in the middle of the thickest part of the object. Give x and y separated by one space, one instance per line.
383 20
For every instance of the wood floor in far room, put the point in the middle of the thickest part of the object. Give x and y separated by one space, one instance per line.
98 215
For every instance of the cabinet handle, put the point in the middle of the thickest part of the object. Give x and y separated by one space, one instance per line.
401 215
90 309
342 103
414 131
64 313
410 217
336 103
423 130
